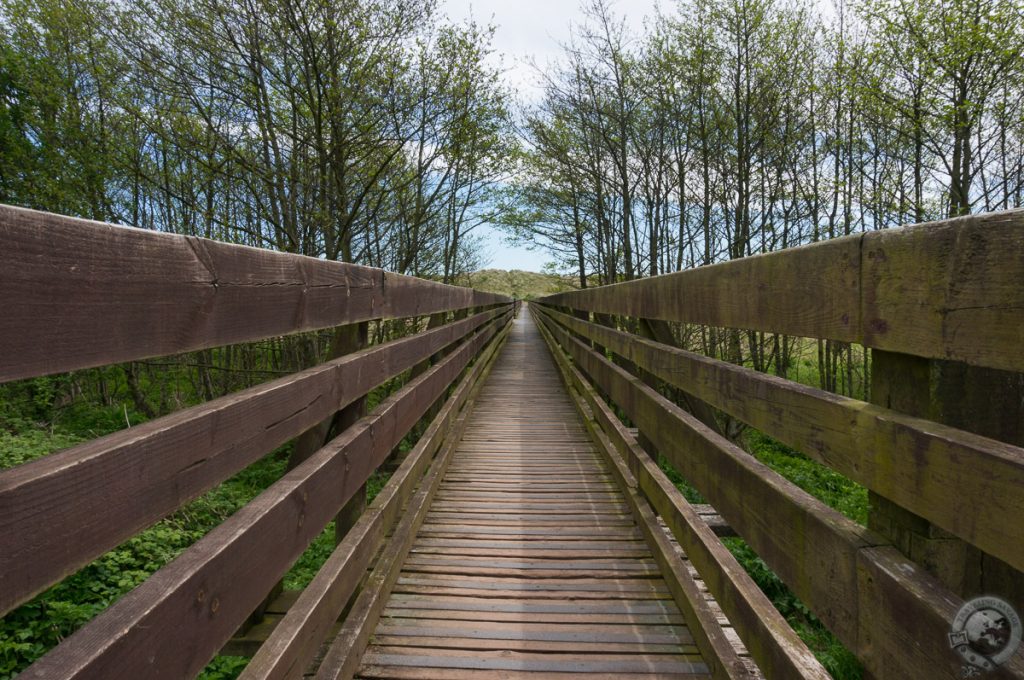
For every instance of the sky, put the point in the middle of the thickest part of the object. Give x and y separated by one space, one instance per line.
525 30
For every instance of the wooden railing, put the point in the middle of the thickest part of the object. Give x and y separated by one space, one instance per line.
944 298
79 294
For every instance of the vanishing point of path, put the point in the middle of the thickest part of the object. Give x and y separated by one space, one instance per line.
529 563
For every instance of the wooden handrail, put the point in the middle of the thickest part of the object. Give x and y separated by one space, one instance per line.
951 290
945 290
78 294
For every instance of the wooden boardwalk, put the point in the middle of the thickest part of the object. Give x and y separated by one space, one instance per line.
517 538
529 562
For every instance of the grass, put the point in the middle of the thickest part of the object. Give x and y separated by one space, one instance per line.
825 484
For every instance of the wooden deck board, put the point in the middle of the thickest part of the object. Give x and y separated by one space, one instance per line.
529 562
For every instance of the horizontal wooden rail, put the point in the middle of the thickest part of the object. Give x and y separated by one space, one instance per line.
290 649
945 290
892 614
61 511
78 294
774 645
934 470
175 622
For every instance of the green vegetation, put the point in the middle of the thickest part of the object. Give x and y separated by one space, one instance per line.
644 157
824 484
836 658
32 629
820 481
518 284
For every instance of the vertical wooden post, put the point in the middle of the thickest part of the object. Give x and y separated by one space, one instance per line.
659 331
436 320
980 400
347 339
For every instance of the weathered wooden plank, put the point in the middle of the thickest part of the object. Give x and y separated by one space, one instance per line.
934 470
291 647
948 290
530 606
442 591
810 291
820 554
529 585
53 521
197 601
79 293
943 290
540 662
519 544
550 507
513 630
545 565
413 673
620 619
540 499
480 523
567 552
572 647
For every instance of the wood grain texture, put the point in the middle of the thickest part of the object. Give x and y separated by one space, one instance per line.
174 622
936 471
944 290
818 553
290 649
79 293
53 521
777 649
811 291
948 290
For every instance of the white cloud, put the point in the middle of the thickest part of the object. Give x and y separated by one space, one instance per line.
536 29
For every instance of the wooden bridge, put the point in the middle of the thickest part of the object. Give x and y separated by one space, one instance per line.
529 533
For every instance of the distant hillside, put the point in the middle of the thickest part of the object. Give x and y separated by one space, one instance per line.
518 284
